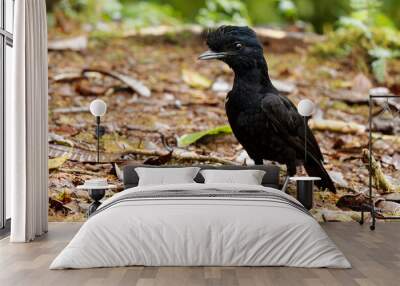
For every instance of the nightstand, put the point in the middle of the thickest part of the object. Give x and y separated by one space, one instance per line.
96 192
305 190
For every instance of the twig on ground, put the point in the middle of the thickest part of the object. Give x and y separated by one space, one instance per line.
382 184
179 154
78 44
78 171
73 109
89 156
337 126
133 83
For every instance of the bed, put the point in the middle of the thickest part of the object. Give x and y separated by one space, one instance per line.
198 224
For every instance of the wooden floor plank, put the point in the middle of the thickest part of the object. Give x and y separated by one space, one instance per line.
375 257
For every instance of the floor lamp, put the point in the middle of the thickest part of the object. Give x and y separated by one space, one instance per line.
98 108
306 108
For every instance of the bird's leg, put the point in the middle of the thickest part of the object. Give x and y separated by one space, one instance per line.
291 171
300 169
285 184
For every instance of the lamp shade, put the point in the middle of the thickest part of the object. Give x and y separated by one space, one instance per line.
98 107
306 107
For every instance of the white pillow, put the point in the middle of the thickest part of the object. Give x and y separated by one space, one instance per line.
165 176
248 177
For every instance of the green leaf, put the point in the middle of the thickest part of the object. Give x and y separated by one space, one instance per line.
147 14
195 79
287 8
223 12
188 139
379 69
349 22
57 162
380 53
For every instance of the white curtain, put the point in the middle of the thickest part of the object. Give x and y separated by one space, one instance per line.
26 123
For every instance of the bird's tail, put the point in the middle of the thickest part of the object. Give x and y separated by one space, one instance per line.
315 168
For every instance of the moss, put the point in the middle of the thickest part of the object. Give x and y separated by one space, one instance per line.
360 47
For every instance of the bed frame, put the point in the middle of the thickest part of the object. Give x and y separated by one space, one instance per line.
270 179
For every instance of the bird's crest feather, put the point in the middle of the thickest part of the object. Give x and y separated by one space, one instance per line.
218 38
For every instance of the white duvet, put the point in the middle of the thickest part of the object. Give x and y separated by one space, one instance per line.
203 231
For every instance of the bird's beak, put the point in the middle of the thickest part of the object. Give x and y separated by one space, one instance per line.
210 55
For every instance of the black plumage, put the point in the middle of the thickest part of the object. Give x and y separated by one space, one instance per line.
264 122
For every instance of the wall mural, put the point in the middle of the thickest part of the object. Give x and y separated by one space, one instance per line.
166 106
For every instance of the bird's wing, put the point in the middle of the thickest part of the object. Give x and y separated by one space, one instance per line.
286 121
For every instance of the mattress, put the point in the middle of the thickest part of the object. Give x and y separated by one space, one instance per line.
201 225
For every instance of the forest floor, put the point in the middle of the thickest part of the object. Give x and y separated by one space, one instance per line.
188 95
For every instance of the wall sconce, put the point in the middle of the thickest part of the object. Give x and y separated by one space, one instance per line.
98 108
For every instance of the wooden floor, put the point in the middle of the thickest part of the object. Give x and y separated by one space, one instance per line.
375 257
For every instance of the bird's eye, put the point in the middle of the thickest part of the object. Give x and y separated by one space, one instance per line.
238 46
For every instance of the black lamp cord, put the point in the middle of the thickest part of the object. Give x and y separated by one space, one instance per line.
305 139
98 137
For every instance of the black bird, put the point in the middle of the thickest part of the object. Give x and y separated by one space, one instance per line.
266 124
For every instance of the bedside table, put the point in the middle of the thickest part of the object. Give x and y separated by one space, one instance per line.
305 190
96 193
